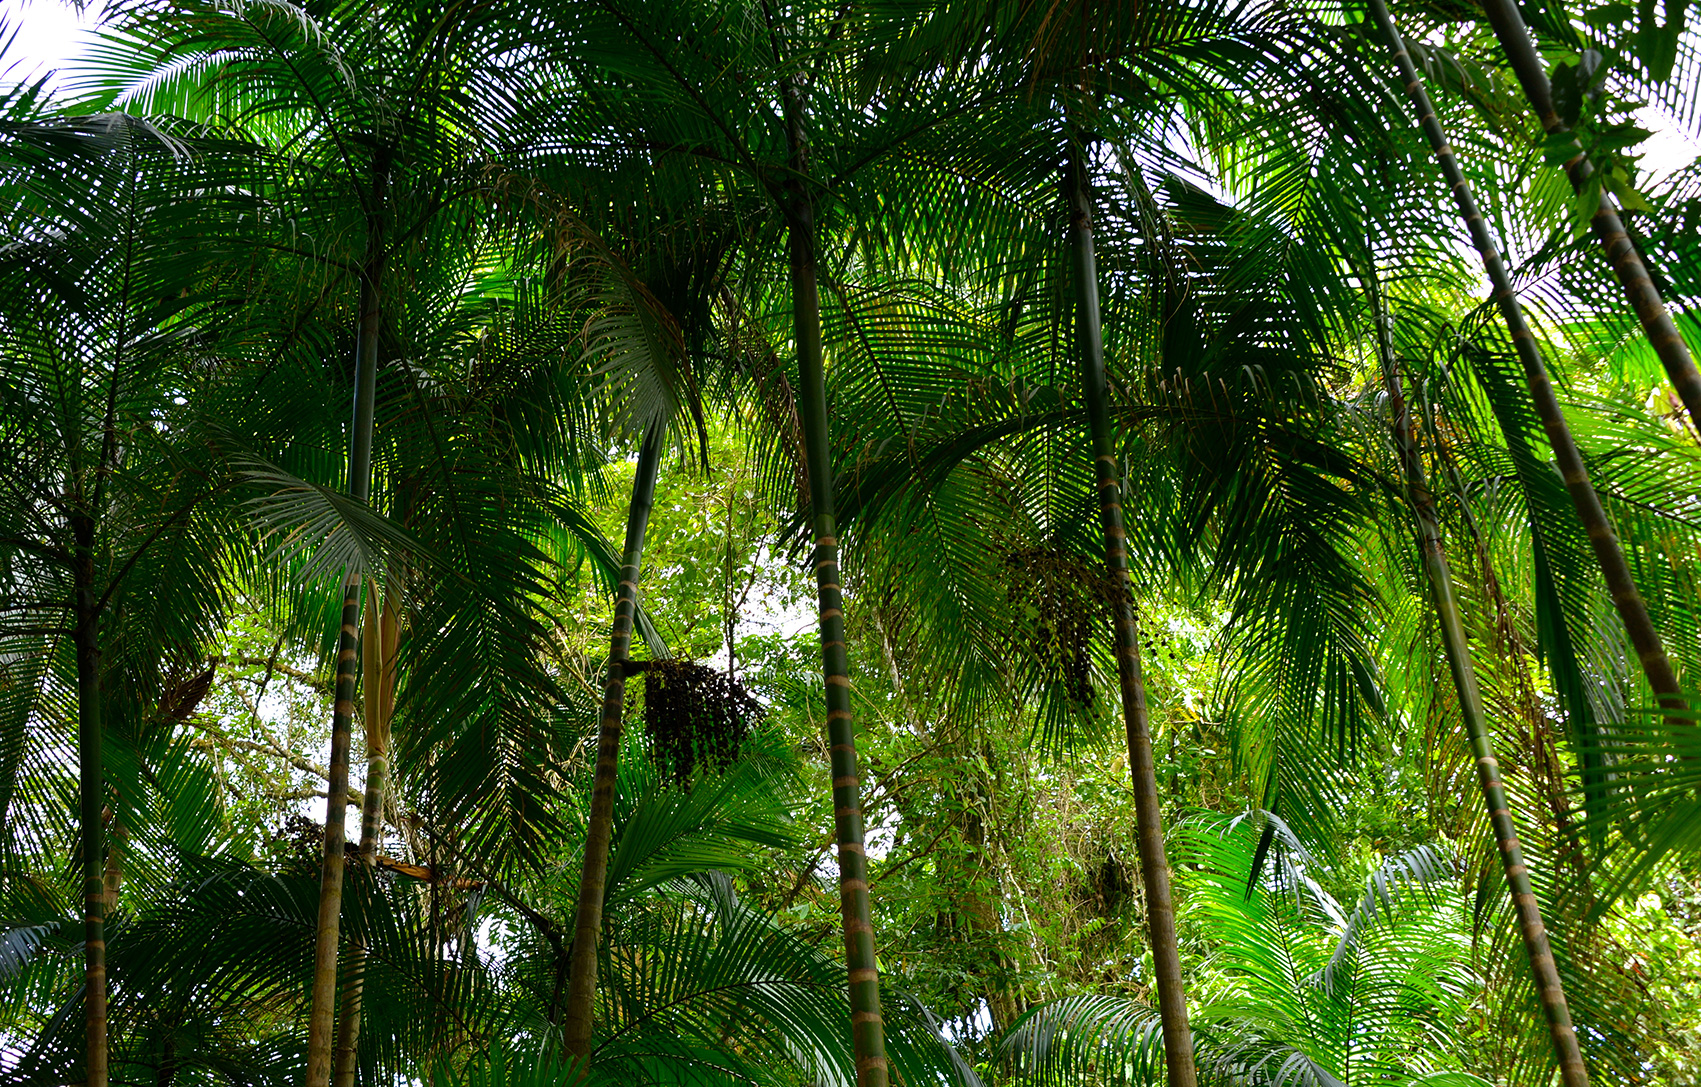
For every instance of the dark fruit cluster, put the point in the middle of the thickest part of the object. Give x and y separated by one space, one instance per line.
1061 596
694 715
1156 646
297 847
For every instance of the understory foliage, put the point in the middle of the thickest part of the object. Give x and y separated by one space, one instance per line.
531 236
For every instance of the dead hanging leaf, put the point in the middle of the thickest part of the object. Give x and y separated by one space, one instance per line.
179 699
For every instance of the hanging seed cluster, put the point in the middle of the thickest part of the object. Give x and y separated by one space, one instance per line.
1156 645
694 715
1060 597
297 846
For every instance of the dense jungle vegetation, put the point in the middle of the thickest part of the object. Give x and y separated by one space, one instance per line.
1167 537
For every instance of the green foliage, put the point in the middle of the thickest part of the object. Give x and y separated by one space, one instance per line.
577 208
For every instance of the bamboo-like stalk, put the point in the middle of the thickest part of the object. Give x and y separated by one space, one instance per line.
91 769
1148 806
1543 970
1609 554
577 1020
378 689
868 1028
321 1023
1639 288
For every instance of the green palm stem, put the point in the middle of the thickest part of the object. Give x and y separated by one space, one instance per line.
1148 810
321 1023
868 1028
378 687
1626 261
1543 970
1609 554
92 793
593 878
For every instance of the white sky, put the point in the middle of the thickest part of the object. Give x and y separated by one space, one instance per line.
48 33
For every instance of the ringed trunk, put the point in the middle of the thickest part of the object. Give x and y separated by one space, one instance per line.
1542 967
378 689
593 878
868 1029
1639 288
321 1024
1148 810
1609 554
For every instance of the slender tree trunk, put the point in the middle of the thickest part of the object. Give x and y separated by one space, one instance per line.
593 878
1632 610
92 794
1621 254
378 687
868 1028
1148 809
1542 967
321 1024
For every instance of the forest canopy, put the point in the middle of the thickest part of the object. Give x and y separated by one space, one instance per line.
733 542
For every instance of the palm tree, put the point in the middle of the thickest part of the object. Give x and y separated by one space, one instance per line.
1627 599
1549 989
304 69
111 492
1154 866
377 99
1620 252
599 827
868 1029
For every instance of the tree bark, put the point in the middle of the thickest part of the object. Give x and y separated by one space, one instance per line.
378 683
1621 254
1609 554
1148 810
91 769
1542 967
321 1023
868 1029
593 878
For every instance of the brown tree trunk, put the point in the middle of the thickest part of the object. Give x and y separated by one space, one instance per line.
868 1027
1621 254
577 1020
1148 806
1543 970
1609 554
